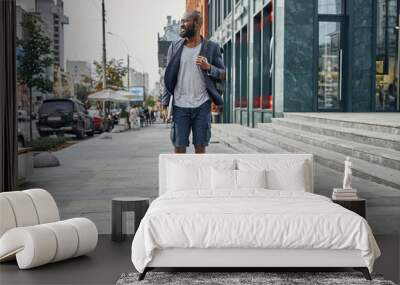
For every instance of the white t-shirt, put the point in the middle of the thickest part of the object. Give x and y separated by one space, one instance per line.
190 90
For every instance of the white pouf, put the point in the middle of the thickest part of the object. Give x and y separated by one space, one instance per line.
31 233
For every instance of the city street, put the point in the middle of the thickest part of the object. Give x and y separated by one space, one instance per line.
95 170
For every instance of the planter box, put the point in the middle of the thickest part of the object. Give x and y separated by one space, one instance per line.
25 164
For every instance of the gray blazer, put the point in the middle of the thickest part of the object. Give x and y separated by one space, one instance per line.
212 52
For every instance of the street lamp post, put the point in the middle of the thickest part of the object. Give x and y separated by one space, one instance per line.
104 63
104 45
143 79
127 83
144 87
127 52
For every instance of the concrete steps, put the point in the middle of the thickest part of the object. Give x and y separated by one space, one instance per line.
377 155
334 160
390 141
389 125
236 145
239 138
230 141
373 147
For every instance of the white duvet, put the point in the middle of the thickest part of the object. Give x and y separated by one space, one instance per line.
250 219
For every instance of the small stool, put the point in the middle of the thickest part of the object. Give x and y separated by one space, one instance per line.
139 205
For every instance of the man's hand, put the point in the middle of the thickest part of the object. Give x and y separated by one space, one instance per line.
203 63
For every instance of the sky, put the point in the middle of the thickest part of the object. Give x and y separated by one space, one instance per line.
135 22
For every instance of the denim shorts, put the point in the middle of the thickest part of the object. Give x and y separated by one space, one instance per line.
196 120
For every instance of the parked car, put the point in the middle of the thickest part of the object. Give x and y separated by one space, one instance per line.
98 120
58 116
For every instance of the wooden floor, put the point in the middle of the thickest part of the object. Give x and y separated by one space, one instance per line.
110 259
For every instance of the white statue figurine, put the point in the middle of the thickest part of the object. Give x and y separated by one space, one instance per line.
347 174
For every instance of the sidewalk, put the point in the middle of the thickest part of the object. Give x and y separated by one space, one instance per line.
95 170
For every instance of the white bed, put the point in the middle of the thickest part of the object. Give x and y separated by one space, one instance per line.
248 227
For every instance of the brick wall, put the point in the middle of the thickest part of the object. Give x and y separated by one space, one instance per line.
202 7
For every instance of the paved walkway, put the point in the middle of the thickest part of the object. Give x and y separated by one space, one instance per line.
95 170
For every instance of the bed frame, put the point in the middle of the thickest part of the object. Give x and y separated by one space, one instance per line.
246 259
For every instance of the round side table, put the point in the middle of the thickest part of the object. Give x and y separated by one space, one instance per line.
139 205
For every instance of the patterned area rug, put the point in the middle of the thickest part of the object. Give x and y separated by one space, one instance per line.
243 278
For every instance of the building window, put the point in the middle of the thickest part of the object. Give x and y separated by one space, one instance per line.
237 70
225 8
214 16
387 55
331 7
257 62
228 83
267 61
209 19
218 10
241 72
243 68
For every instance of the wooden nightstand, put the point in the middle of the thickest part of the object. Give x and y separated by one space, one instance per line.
357 206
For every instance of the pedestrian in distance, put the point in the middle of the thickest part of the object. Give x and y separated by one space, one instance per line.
146 116
194 66
142 117
133 118
216 114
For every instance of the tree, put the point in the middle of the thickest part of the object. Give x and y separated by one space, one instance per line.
88 81
82 91
115 72
150 102
35 58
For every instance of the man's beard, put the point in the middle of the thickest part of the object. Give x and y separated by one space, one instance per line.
188 33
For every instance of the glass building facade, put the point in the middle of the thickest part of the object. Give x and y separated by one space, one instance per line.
387 55
307 56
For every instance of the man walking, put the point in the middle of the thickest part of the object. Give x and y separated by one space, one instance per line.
193 66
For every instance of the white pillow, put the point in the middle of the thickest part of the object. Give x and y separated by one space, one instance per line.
193 174
289 177
251 178
282 174
228 179
223 179
182 177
